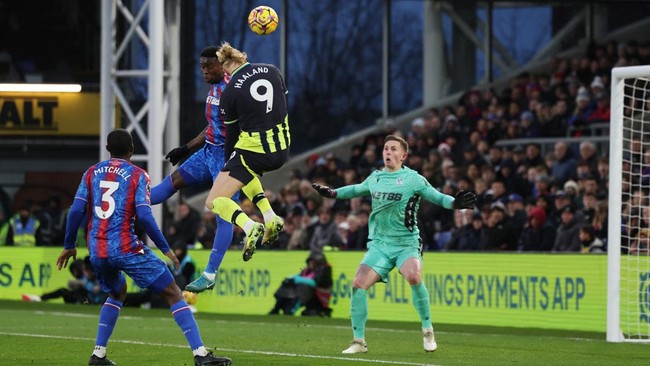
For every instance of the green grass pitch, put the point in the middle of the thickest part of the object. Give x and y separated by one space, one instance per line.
57 334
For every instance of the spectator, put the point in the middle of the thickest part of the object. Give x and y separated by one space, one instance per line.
538 234
468 237
567 238
325 235
588 155
590 243
311 288
75 293
186 272
518 217
53 223
184 229
499 232
22 229
564 166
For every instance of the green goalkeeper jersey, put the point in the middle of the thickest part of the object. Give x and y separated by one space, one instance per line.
395 201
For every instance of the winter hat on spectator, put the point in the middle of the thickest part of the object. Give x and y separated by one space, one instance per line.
514 197
539 214
418 122
561 194
570 184
598 83
444 148
527 116
451 117
498 205
583 95
569 208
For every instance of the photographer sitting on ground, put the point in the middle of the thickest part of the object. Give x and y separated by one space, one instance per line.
312 288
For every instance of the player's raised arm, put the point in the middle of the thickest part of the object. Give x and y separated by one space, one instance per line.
462 200
351 191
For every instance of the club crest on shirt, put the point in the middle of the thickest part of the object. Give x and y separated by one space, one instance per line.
399 181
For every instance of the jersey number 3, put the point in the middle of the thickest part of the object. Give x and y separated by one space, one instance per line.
107 197
268 93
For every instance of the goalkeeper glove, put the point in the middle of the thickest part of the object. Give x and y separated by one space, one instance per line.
177 154
324 191
464 199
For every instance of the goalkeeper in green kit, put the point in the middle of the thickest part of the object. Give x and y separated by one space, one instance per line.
394 237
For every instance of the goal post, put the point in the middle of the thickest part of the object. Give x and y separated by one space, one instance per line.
628 251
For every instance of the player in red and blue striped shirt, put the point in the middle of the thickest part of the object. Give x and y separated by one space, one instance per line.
111 194
203 165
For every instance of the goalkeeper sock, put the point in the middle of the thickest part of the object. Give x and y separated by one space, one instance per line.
358 312
185 320
107 319
254 191
162 191
420 296
222 240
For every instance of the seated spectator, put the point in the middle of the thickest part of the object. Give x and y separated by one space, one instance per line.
468 237
641 243
84 289
312 288
538 234
590 243
567 238
499 232
184 229
325 234
75 293
186 272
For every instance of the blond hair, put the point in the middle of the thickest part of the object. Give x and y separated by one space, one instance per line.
227 54
401 141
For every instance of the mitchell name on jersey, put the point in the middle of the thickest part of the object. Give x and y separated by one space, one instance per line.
113 170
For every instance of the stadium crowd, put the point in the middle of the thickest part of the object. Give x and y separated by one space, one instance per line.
529 199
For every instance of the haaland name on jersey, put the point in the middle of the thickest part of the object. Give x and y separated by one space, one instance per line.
113 170
241 78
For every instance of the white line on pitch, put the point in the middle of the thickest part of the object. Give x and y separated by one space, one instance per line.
285 354
244 322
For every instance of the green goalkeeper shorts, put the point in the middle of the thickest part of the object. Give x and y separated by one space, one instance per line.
383 256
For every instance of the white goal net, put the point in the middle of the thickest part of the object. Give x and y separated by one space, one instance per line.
628 293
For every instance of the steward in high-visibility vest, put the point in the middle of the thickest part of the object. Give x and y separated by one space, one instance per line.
20 230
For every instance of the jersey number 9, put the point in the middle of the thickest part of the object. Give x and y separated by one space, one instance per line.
268 93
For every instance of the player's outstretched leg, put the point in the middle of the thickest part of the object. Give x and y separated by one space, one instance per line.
272 222
222 240
227 208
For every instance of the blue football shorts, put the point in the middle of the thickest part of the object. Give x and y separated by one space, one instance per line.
205 164
146 269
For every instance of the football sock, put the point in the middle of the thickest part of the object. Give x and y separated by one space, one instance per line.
100 351
359 312
107 319
225 207
162 191
222 240
185 320
420 296
254 191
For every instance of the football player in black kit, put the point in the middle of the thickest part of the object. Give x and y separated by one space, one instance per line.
254 108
